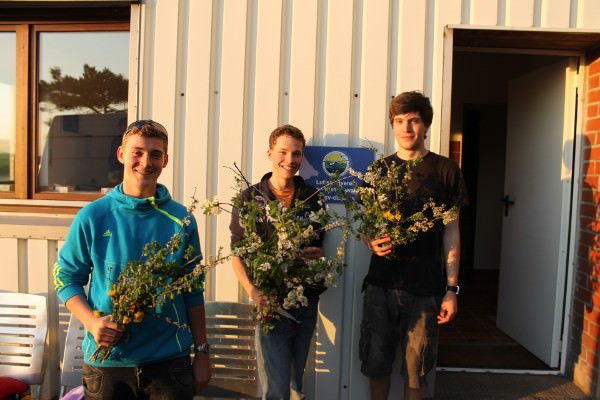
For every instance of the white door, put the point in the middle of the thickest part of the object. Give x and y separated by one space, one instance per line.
534 240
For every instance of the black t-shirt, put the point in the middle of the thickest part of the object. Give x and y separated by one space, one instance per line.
418 267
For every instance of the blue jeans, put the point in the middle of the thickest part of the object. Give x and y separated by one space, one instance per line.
282 352
166 380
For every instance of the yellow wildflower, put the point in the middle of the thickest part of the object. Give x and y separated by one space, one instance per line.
392 217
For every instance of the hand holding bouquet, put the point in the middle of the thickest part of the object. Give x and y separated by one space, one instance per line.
151 281
384 197
276 265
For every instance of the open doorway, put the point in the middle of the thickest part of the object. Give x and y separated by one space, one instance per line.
485 88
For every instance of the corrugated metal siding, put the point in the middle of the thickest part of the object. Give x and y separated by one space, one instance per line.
220 75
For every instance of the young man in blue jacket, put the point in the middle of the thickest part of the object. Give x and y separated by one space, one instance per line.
153 360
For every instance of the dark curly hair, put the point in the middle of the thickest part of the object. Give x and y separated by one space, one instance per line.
408 102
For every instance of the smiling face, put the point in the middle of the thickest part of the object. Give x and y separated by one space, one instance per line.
409 130
286 154
143 159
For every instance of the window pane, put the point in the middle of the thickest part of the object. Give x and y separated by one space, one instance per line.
8 78
82 109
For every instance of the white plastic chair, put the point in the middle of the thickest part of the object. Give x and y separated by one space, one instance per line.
72 362
23 330
230 332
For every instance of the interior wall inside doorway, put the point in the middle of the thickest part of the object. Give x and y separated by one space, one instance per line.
478 120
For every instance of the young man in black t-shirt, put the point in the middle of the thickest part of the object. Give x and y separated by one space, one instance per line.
406 296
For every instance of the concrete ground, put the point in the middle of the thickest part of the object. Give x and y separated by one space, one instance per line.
492 386
485 386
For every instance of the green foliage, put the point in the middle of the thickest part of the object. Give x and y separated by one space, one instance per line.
5 167
275 265
152 280
383 210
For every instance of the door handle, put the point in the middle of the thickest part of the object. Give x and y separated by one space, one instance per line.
507 203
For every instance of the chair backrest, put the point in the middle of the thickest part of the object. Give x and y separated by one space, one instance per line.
72 362
23 329
231 333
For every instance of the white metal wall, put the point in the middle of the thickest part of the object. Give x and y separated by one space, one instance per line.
222 74
328 67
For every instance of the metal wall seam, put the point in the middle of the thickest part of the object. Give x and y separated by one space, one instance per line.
267 77
233 122
197 118
338 73
304 68
372 97
445 14
164 55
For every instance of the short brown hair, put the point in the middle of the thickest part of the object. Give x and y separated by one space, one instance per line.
146 128
288 130
408 102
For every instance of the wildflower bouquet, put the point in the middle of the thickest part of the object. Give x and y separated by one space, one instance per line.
384 198
151 281
275 265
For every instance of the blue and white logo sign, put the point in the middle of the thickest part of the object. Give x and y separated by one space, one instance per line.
336 162
321 163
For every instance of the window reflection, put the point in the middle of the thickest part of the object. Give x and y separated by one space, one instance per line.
82 109
8 77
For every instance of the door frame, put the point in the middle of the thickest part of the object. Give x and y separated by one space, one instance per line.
569 213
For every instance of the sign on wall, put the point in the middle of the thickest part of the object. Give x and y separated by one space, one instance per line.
321 163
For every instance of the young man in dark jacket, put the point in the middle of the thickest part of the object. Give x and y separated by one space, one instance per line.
284 349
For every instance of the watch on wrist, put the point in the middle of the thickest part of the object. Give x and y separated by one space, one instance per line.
203 348
451 288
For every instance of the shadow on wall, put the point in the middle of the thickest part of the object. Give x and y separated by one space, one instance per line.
334 356
585 316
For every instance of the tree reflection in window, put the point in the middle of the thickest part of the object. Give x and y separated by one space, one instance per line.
101 92
85 116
